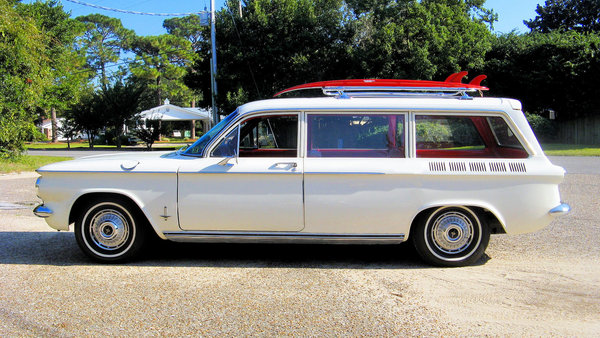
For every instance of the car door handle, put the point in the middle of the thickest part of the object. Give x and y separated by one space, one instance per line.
286 164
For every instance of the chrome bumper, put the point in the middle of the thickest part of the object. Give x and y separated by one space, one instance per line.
560 210
42 211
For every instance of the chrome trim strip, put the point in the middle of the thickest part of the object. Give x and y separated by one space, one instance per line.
560 210
243 173
42 211
279 237
108 172
345 173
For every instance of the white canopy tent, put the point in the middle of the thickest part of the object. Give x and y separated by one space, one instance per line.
170 112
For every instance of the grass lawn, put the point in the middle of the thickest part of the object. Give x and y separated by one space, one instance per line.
84 145
28 163
62 145
558 149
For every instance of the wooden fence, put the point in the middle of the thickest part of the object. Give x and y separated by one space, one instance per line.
585 130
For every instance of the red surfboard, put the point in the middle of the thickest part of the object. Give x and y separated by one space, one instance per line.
451 83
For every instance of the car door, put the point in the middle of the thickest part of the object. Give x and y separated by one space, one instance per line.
250 181
357 178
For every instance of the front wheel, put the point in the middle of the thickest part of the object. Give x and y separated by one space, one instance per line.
110 230
451 236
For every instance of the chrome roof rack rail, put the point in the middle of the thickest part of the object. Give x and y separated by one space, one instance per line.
344 93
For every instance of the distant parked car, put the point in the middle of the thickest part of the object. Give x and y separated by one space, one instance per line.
378 161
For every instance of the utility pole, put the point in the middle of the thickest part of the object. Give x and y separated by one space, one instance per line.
213 64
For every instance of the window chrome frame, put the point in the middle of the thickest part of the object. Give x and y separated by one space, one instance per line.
405 113
243 117
466 113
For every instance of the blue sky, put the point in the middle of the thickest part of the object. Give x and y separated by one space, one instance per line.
511 12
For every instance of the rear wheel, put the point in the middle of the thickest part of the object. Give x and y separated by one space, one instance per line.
110 230
451 236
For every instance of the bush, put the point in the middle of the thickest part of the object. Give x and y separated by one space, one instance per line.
545 129
13 134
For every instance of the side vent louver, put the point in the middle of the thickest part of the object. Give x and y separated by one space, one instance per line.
477 167
497 166
457 166
518 167
437 166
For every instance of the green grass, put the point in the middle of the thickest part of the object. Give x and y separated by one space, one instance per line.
61 145
84 145
559 149
28 163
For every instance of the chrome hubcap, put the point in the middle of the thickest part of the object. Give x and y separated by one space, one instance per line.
452 232
109 229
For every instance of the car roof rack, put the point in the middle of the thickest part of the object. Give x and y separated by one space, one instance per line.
451 87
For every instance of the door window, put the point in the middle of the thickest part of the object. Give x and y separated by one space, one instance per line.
269 136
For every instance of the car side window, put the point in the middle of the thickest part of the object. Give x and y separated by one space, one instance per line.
269 136
356 135
455 136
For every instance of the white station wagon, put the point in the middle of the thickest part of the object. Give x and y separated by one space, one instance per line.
374 161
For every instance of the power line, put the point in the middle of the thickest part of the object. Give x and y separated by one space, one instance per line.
130 12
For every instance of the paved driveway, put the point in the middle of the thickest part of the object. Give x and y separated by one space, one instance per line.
540 284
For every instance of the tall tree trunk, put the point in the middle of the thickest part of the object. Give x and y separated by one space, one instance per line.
90 139
54 126
118 133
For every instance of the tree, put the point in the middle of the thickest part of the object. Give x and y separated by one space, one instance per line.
103 41
24 76
565 15
162 61
120 103
88 116
68 129
279 43
557 71
149 132
63 59
189 28
419 39
275 44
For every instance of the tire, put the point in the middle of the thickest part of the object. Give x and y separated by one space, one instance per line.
451 236
111 230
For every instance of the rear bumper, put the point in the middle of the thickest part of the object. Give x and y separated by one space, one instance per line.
560 210
42 211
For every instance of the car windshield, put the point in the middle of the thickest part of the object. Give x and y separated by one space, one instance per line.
198 147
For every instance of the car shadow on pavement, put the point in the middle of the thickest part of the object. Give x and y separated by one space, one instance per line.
60 249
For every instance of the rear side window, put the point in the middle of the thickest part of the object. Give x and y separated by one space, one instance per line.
357 135
466 136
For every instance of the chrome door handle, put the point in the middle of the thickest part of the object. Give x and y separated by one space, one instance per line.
286 164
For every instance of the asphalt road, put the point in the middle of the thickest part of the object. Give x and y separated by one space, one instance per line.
540 284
